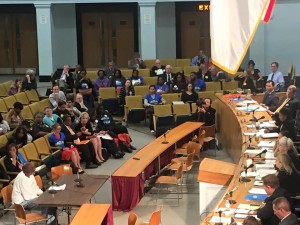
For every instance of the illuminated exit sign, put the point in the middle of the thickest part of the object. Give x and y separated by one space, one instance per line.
204 7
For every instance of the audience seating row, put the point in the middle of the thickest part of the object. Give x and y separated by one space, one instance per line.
4 87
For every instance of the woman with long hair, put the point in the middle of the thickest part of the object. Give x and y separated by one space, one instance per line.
85 132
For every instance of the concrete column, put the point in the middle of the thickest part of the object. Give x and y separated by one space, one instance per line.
147 30
44 39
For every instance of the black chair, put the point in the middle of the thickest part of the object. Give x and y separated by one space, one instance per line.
164 123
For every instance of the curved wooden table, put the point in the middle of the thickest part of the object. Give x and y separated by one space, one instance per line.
231 129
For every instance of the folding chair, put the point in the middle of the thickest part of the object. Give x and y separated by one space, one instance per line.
28 218
9 101
134 110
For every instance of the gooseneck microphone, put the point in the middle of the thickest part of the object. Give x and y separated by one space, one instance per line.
259 154
245 178
165 137
220 216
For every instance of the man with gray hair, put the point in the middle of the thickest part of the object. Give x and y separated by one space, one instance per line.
63 78
29 81
282 210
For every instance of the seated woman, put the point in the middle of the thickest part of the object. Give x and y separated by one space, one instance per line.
288 175
15 88
286 145
4 127
246 81
101 81
150 100
127 90
39 129
85 132
57 139
161 86
189 95
19 137
256 74
50 118
179 83
136 80
13 160
118 81
79 104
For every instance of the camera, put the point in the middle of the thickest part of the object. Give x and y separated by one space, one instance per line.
200 102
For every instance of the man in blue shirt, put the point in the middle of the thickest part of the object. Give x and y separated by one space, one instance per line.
199 84
277 77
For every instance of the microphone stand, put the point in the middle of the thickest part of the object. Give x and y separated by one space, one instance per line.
78 181
245 178
247 113
220 216
165 139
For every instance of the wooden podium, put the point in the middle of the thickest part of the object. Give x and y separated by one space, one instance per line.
216 171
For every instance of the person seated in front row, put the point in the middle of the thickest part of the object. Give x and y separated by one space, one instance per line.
205 113
282 209
286 145
50 118
87 150
58 139
168 75
218 75
273 190
158 69
151 100
270 100
199 84
25 191
288 175
136 80
14 117
189 95
39 129
101 81
179 83
246 81
161 86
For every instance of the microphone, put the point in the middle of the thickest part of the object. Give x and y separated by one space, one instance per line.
259 154
249 140
78 181
245 178
165 137
232 190
220 216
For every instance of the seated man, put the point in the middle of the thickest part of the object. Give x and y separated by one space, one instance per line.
203 73
25 191
61 110
219 75
270 100
110 70
168 75
205 113
64 78
282 210
276 76
136 62
199 59
199 84
158 69
14 117
56 95
271 186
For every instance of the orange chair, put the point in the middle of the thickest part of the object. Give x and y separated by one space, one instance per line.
58 171
24 218
132 219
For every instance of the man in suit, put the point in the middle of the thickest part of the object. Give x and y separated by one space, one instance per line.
271 186
282 210
168 75
64 78
110 70
270 100
86 150
290 101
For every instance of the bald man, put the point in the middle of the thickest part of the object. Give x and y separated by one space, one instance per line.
158 69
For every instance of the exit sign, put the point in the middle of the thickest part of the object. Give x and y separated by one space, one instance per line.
204 7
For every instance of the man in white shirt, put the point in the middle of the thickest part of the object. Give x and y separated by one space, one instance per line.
277 77
282 210
25 191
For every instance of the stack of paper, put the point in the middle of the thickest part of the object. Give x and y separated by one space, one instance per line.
259 191
269 144
58 188
269 135
216 219
248 206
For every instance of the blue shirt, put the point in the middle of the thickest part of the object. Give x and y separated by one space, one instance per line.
139 81
199 85
50 121
153 99
277 79
159 88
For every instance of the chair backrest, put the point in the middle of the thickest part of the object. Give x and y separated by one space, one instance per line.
207 94
179 172
58 171
3 107
201 136
160 110
3 91
141 90
92 75
132 219
22 97
232 85
144 72
9 134
126 72
155 218
177 69
196 147
26 113
190 160
21 151
149 63
150 80
165 62
3 140
133 102
31 152
169 98
213 86
7 85
181 109
45 103
38 181
35 107
32 95
42 146
20 212
183 62
3 164
210 131
188 69
6 193
107 92
9 101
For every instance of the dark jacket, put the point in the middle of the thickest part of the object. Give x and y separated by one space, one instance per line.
271 100
289 182
208 118
290 220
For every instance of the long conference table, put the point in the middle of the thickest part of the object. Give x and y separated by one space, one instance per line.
231 128
129 179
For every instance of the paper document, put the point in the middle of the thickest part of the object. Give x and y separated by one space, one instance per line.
177 102
266 143
249 102
264 166
269 135
58 188
242 211
260 191
240 216
258 183
248 206
253 151
105 136
250 133
266 171
216 219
